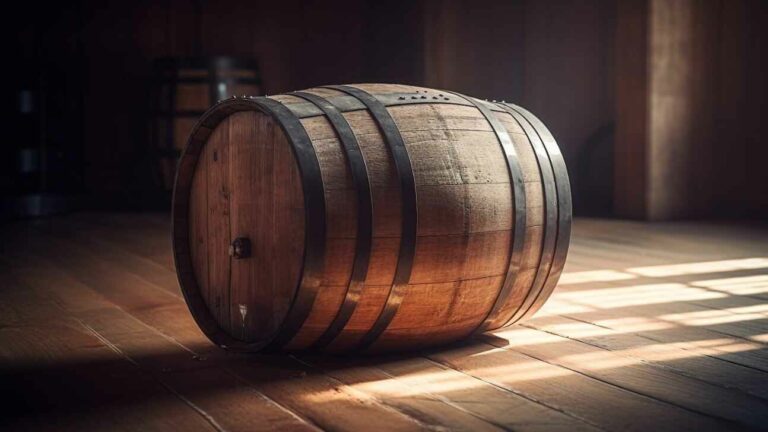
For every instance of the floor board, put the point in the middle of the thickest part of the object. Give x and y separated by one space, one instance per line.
653 326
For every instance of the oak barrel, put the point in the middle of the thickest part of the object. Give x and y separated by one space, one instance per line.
183 89
367 217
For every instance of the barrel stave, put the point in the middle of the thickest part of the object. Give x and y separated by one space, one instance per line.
465 223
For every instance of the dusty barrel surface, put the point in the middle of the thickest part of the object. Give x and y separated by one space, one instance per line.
371 217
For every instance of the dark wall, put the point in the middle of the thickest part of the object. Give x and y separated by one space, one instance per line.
556 58
739 175
293 41
553 57
45 55
691 100
108 49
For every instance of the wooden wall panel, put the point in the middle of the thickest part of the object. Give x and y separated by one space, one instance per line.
295 43
690 85
555 58
743 102
475 47
629 192
568 82
681 103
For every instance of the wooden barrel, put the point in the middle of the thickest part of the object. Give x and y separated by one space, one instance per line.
183 90
368 217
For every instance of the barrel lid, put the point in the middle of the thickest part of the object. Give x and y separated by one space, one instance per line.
246 228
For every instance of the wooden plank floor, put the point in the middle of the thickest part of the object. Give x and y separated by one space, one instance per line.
653 327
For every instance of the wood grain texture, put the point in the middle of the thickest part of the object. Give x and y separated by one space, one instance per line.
680 93
464 231
654 326
218 191
252 190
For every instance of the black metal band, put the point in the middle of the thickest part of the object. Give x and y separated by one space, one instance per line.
550 213
364 235
315 221
563 186
346 102
409 216
518 197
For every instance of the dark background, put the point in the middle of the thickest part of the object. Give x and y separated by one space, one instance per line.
658 106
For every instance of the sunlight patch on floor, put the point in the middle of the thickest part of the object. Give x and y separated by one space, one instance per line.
655 352
579 277
554 306
434 382
647 349
637 295
511 370
521 336
700 267
576 329
515 371
713 316
745 285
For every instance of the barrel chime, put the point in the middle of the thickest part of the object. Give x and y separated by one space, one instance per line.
371 217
